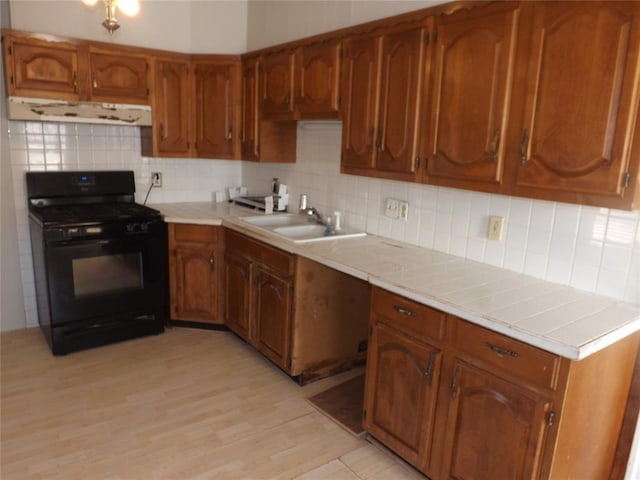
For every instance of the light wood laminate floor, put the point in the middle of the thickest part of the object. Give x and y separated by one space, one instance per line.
187 404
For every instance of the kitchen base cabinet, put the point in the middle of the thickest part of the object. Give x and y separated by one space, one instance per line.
503 408
194 273
308 319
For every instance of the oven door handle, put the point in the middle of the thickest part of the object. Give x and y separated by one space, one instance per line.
77 242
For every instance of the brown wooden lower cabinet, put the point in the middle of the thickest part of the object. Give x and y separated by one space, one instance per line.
308 319
461 402
194 272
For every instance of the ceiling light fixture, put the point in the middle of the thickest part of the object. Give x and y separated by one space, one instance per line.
128 7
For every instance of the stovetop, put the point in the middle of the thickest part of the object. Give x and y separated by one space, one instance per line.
93 212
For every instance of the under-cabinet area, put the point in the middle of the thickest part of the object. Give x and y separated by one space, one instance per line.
308 319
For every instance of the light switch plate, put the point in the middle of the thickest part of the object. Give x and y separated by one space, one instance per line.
403 211
496 227
392 208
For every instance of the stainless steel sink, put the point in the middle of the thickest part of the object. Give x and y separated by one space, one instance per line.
298 229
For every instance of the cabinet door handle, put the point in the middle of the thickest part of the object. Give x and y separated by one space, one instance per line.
230 135
95 82
523 146
379 140
370 143
495 142
500 351
75 82
162 131
429 370
404 311
211 261
454 382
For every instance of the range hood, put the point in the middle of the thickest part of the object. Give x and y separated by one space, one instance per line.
45 110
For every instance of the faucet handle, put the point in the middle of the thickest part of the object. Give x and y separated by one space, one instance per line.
303 202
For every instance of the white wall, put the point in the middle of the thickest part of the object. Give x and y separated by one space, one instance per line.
276 21
178 25
12 313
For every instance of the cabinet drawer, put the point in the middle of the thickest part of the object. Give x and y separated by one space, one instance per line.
511 356
194 233
270 257
407 315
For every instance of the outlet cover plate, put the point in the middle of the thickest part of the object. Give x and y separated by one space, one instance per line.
496 227
392 208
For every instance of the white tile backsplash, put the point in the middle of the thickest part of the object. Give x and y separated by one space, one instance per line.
590 248
593 249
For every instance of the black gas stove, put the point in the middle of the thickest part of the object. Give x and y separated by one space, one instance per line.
100 259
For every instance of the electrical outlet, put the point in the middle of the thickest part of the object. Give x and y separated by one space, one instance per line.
403 211
156 179
496 226
391 208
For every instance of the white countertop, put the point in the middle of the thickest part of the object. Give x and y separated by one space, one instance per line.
556 318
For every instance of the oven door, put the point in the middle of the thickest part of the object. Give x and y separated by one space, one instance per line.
102 277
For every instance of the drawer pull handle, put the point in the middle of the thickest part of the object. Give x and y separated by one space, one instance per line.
501 351
404 311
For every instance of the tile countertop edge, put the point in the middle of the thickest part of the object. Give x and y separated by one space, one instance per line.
203 213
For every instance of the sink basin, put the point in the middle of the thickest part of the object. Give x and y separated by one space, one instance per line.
299 232
314 233
296 228
273 221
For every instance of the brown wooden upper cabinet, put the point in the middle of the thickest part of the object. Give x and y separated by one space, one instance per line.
196 108
115 75
579 135
74 71
262 140
473 70
302 83
382 80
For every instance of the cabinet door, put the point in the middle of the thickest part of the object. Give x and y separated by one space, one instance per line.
495 429
360 84
277 86
402 65
581 98
196 295
171 109
215 87
473 70
41 69
272 312
237 286
250 120
318 81
118 78
401 390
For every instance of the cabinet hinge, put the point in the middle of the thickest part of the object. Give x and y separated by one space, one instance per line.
258 149
417 162
11 80
550 418
10 51
426 38
626 180
148 92
339 100
435 36
288 362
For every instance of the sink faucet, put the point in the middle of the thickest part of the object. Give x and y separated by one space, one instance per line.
313 214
